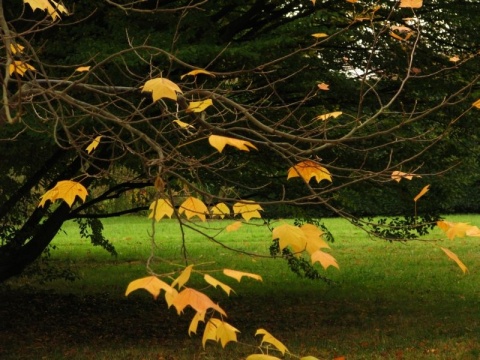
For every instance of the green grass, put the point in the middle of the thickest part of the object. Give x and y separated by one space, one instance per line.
388 300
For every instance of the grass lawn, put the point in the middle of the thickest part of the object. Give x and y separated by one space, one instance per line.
388 300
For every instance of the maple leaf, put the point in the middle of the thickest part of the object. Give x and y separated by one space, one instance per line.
197 300
199 106
453 230
262 357
455 258
220 210
314 238
233 227
399 175
93 145
194 323
411 3
218 330
194 207
183 277
161 208
319 35
324 117
150 283
183 125
170 296
214 282
308 169
421 193
269 338
83 69
67 190
162 88
289 235
476 104
247 209
473 231
219 143
239 274
16 48
53 8
196 72
324 87
324 259
20 67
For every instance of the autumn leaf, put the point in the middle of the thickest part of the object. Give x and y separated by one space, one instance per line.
473 231
183 125
262 357
162 88
476 104
269 338
53 8
214 282
197 72
421 193
16 48
324 87
399 175
324 117
199 106
194 207
197 300
319 35
310 357
218 330
183 277
239 274
170 296
67 190
233 227
150 283
314 238
83 69
289 235
93 145
455 258
396 36
221 210
411 3
219 142
324 259
160 208
455 229
308 169
247 209
20 68
194 323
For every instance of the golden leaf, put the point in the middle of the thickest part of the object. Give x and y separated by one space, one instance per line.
458 229
323 86
219 142
421 193
289 235
396 36
162 88
183 277
411 3
194 207
83 69
214 282
454 58
313 236
197 300
239 274
233 227
16 48
67 190
20 68
53 8
308 169
319 35
183 125
401 28
324 117
194 323
262 357
93 145
218 330
150 283
221 210
473 231
196 72
269 338
324 259
161 208
247 209
476 104
399 175
170 296
311 357
455 258
199 106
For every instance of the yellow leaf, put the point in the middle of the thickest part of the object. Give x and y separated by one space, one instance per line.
289 235
16 48
194 207
324 259
324 117
218 330
399 175
453 230
93 145
401 28
262 357
319 35
150 283
219 142
324 87
83 69
67 190
411 3
20 68
476 104
311 357
313 236
160 208
269 338
53 8
308 169
194 323
247 209
455 258
183 277
162 88
170 296
196 72
239 274
214 282
183 125
233 227
197 300
199 106
421 193
473 231
220 210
